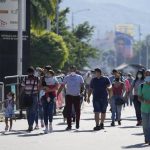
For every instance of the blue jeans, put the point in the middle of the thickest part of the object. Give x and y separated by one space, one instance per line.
32 111
39 113
146 126
48 108
115 109
137 106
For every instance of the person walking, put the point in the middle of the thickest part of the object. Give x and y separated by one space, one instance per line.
50 86
99 88
134 90
118 89
30 87
144 98
74 86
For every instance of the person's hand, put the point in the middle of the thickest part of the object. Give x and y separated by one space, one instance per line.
88 100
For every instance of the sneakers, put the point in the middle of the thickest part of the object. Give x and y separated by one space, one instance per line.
68 128
6 128
139 123
101 126
112 124
50 128
46 131
119 122
30 129
77 126
97 128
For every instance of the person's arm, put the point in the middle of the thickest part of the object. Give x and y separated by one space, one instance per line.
89 94
60 89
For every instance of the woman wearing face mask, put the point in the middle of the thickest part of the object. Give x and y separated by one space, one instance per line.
118 88
134 90
50 85
144 98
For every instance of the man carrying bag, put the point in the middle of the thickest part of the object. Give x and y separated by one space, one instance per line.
30 99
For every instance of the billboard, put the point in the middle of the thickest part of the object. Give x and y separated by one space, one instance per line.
9 15
123 42
9 36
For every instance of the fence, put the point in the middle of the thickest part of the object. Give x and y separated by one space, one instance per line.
1 94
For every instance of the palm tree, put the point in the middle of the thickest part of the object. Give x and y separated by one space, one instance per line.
40 11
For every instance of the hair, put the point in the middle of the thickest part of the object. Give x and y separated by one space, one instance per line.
51 72
98 70
141 72
30 70
73 68
12 94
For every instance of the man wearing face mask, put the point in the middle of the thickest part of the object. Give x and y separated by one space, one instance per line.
144 98
74 85
134 90
30 86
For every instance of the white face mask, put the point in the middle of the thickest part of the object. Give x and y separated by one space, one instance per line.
139 76
147 79
9 97
73 73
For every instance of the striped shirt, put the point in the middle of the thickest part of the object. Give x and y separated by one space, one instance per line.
28 83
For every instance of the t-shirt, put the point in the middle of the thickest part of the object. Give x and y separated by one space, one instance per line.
117 90
99 87
73 84
145 92
135 85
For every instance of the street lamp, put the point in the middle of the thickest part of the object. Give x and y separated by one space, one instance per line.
73 13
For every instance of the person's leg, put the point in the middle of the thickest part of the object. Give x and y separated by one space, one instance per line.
45 113
6 123
145 123
103 108
41 115
11 122
113 111
119 108
76 102
50 114
97 119
33 110
137 106
69 110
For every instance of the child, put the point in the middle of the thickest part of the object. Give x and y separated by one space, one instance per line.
9 110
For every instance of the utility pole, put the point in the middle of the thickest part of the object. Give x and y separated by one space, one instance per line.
140 52
20 38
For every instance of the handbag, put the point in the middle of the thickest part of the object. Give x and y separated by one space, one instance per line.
28 98
119 100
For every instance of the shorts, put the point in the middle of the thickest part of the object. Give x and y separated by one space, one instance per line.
100 106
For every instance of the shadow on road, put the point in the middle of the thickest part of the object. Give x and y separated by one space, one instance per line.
138 134
127 127
13 132
31 134
140 145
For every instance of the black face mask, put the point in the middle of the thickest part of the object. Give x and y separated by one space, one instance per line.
117 79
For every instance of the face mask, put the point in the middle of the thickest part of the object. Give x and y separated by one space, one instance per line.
9 97
73 73
139 76
36 74
147 79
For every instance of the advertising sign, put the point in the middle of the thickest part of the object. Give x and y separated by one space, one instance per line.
9 15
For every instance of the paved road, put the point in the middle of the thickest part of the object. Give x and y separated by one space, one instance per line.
126 136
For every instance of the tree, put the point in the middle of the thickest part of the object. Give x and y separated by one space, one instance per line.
48 48
40 11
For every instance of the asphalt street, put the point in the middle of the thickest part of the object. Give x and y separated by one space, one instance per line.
126 136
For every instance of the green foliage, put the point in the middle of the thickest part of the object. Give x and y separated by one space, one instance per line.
84 31
40 11
48 48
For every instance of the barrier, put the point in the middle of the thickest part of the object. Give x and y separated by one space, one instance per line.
1 95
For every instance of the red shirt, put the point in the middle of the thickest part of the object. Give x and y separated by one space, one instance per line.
117 89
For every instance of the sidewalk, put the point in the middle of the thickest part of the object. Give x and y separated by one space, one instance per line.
126 136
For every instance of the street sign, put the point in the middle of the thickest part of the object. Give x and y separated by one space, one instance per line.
9 15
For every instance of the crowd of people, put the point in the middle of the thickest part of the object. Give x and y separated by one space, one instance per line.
41 89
